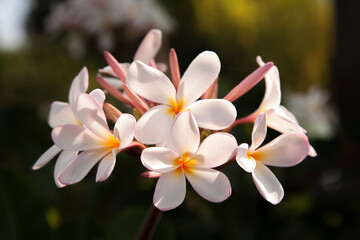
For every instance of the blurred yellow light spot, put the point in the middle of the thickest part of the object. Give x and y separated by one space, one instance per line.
53 218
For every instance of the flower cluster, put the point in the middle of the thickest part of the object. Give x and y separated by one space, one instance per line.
180 125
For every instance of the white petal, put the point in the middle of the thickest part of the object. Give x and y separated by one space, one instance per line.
99 95
259 131
149 46
76 138
282 123
185 133
124 129
167 143
286 150
92 116
150 83
78 86
46 157
61 113
63 160
170 191
281 110
201 73
312 152
80 166
248 164
267 184
210 184
107 70
216 150
214 114
159 159
106 166
272 96
154 126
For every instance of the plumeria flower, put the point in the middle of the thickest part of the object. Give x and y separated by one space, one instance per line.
94 139
146 53
150 83
286 150
188 160
314 111
278 117
65 113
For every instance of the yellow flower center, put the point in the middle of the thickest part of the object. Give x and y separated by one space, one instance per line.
113 142
185 163
176 107
254 155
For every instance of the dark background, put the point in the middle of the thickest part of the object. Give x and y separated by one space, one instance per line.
311 42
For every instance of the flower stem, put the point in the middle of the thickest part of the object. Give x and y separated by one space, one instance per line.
150 224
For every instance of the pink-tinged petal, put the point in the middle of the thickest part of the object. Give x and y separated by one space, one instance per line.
249 82
116 67
199 76
62 113
138 101
170 191
312 152
78 168
242 158
99 95
124 129
210 184
78 86
286 150
92 116
277 120
174 68
150 174
149 46
185 134
259 132
106 166
113 91
63 160
112 112
214 114
114 82
267 184
272 95
216 150
212 91
159 159
154 126
76 138
46 157
150 83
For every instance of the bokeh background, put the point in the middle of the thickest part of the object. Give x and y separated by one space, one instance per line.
314 43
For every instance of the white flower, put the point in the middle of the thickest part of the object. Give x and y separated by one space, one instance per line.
146 52
65 113
94 139
278 117
314 112
286 150
150 83
187 160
